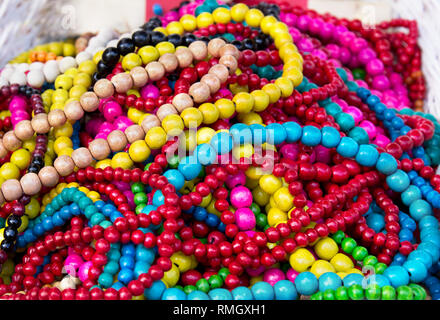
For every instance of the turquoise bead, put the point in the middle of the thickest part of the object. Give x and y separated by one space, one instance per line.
306 283
293 131
333 109
367 156
430 248
359 135
428 222
330 137
311 136
277 133
352 279
419 209
422 256
259 135
398 181
417 270
386 164
242 293
347 148
329 280
206 154
105 280
410 195
263 291
285 290
173 294
241 134
376 222
345 121
222 142
198 295
343 74
220 294
175 178
190 167
397 275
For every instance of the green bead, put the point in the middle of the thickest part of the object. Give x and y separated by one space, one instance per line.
355 292
317 296
202 173
140 207
228 36
348 245
380 268
359 253
339 236
342 293
419 293
189 289
266 227
345 121
373 292
285 267
359 135
388 293
359 74
204 240
223 272
147 166
203 285
333 109
137 187
404 293
261 220
255 208
179 287
173 162
329 294
215 281
140 198
370 261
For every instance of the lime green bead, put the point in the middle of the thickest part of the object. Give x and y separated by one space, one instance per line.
255 208
388 293
373 292
137 187
419 293
359 253
203 285
404 293
189 289
342 293
339 237
329 294
173 162
317 296
215 281
348 245
139 208
355 292
223 272
380 268
261 220
370 260
140 198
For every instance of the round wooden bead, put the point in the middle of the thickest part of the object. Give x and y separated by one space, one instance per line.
169 62
89 101
12 190
64 165
182 101
200 92
212 82
184 56
150 121
139 76
214 47
165 110
82 157
230 62
199 50
49 176
23 130
30 184
117 140
73 110
11 142
134 133
56 118
220 71
104 88
155 70
122 82
40 123
230 49
3 151
99 149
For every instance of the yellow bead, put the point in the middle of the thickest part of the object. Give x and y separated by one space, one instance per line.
238 12
253 17
134 114
165 47
295 75
131 61
9 171
261 100
255 280
148 54
97 57
210 113
103 164
133 91
206 201
225 107
354 270
270 184
260 196
87 67
161 29
21 158
283 199
204 135
266 23
342 263
182 261
82 79
320 267
254 173
277 28
122 160
60 96
171 277
293 63
72 72
24 224
342 275
156 138
326 248
77 91
301 260
276 216
69 50
251 184
175 27
173 125
139 151
286 86
188 22
189 141
204 20
282 39
66 152
211 208
8 268
243 151
29 145
250 118
56 47
273 91
65 130
244 102
192 117
221 15
32 209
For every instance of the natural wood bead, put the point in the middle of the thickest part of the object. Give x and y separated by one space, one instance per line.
3 151
23 130
64 165
117 140
199 92
122 82
220 71
230 62
184 56
56 118
89 101
2 198
73 111
214 47
30 184
231 50
134 133
165 110
40 123
155 70
82 157
183 101
104 88
139 76
11 142
212 82
99 149
49 176
199 50
150 121
12 190
169 61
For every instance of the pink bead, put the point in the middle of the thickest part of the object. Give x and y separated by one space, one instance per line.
288 18
291 275
122 186
290 151
356 114
130 199
323 154
375 67
272 276
370 128
106 127
381 141
366 55
112 110
72 264
245 219
83 272
344 55
122 123
237 180
150 91
381 82
255 272
93 125
241 197
17 103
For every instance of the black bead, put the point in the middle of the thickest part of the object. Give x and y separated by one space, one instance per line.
14 221
6 245
248 44
175 39
10 233
188 39
29 92
157 37
205 39
126 46
238 44
111 56
141 38
33 169
173 77
95 78
22 90
155 21
103 69
260 42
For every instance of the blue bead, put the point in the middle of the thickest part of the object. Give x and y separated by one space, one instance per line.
311 136
419 209
410 195
175 178
190 168
206 154
259 134
347 148
200 214
285 290
140 268
329 280
220 294
428 222
376 222
114 255
293 131
306 283
352 279
397 275
367 156
157 9
212 220
241 134
126 262
277 133
117 286
242 293
386 164
373 100
47 224
263 291
405 235
155 291
417 270
378 279
173 294
105 280
144 254
399 259
128 250
398 181
421 256
198 295
125 275
330 137
222 143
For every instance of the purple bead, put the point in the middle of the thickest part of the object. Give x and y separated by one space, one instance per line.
150 91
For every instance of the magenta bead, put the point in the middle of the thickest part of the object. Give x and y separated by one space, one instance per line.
241 197
375 67
355 113
245 219
291 275
122 123
370 128
381 140
255 272
290 151
72 264
112 110
150 91
83 272
237 180
272 276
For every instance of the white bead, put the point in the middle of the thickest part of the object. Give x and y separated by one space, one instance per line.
67 283
36 78
7 72
51 70
96 42
112 44
3 82
125 35
66 63
106 35
18 77
83 56
97 49
36 66
23 67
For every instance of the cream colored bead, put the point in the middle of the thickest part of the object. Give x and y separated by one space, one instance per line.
73 111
